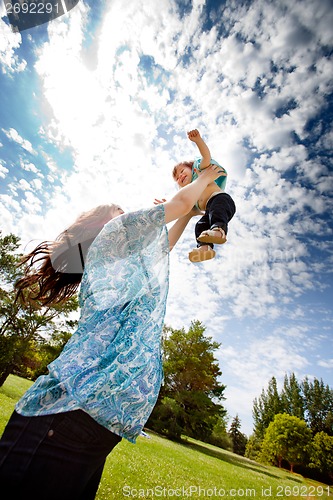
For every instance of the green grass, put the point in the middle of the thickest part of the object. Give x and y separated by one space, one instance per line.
159 468
10 392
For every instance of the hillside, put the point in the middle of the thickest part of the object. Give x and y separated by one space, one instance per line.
158 468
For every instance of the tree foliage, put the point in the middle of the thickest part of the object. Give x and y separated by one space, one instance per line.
318 406
190 399
238 439
189 362
310 401
321 453
31 336
266 407
253 447
219 436
292 399
286 438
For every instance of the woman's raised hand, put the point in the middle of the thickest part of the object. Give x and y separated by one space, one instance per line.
212 172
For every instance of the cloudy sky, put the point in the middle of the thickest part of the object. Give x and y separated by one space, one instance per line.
94 109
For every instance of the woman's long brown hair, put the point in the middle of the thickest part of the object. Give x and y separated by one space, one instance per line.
53 270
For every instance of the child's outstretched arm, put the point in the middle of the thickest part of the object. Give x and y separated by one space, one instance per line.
194 136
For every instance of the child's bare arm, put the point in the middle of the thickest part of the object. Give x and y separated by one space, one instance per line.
194 136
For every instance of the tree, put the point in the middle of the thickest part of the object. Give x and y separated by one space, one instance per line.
286 438
238 439
219 436
25 327
8 259
318 399
23 332
310 401
266 407
253 447
189 362
41 352
191 380
166 418
291 397
321 453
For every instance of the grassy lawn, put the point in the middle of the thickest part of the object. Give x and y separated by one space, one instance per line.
159 468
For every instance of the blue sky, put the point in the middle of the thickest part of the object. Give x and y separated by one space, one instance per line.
94 109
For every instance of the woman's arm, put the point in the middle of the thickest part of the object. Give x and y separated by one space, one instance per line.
182 203
177 230
179 226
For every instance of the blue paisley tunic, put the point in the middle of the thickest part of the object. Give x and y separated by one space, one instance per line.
111 367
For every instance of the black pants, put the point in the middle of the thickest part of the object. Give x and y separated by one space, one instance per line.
219 211
53 457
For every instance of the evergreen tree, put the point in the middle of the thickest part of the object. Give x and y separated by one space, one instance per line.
266 407
191 380
238 439
189 362
311 401
318 399
291 397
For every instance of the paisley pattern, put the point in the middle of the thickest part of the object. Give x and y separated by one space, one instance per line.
220 181
111 367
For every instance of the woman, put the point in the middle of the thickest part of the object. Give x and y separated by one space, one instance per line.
105 383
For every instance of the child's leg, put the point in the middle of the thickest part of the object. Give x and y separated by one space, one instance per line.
221 208
204 251
203 224
213 226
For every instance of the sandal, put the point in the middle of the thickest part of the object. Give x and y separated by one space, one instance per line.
216 235
198 255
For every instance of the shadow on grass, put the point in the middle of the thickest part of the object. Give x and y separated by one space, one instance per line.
236 460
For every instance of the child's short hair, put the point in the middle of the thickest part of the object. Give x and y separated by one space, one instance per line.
186 163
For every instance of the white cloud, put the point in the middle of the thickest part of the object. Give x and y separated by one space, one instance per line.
13 135
326 363
28 166
10 62
37 184
32 204
249 92
98 111
3 171
9 208
24 185
251 365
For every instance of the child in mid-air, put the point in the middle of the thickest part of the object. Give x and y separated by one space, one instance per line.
218 206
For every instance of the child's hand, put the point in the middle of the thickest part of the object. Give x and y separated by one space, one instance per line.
158 202
194 135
